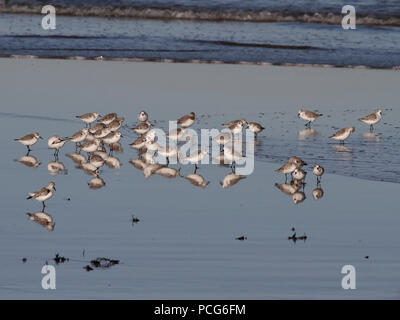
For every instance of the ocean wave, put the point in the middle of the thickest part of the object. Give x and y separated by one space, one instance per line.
199 14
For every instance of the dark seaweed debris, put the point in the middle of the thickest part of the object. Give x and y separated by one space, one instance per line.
294 238
58 259
242 238
103 263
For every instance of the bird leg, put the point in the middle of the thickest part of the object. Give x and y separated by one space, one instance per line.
44 206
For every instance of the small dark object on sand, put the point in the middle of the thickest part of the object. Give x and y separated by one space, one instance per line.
294 238
242 238
103 263
366 257
58 259
24 260
88 268
134 219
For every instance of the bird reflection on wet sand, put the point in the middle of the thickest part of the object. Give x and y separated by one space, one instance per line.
42 218
55 168
29 161
307 133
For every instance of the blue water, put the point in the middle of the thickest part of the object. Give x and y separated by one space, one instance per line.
278 43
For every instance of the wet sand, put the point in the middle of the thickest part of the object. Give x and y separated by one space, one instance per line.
184 244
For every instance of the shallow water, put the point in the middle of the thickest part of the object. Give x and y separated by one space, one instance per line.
184 244
230 42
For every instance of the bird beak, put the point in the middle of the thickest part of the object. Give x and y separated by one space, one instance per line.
54 188
40 137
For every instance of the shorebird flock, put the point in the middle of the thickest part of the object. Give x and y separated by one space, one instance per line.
101 137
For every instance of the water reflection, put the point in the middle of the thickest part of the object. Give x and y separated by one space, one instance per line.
231 179
318 193
197 180
29 161
371 136
42 218
96 183
55 168
307 133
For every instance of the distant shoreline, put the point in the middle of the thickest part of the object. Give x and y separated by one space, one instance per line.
197 61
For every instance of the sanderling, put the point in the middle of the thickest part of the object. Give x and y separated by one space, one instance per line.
29 139
168 172
169 152
231 179
108 118
42 218
29 161
139 143
176 134
318 193
194 158
187 120
318 171
112 137
101 133
96 127
372 119
290 166
43 194
143 116
79 136
116 146
299 174
88 118
196 180
255 127
237 128
55 142
308 116
234 122
343 134
223 138
116 124
90 146
142 127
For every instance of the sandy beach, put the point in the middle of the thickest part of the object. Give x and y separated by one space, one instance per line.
184 245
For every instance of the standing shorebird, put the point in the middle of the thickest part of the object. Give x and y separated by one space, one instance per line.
372 119
255 127
195 158
237 128
90 146
343 134
43 194
234 122
55 142
29 139
318 171
289 167
187 120
88 118
142 127
79 136
143 116
108 118
308 116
